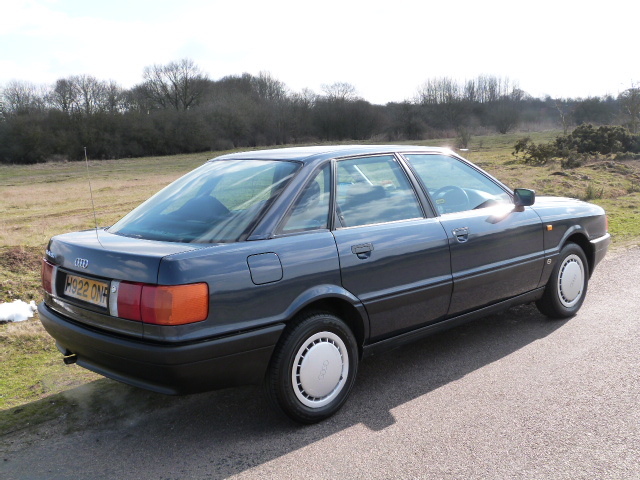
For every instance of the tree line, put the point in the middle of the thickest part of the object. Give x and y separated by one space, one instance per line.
177 108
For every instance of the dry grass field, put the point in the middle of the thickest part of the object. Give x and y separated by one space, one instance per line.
39 201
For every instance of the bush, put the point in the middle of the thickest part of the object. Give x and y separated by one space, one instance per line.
604 140
575 147
627 156
592 193
573 160
535 154
463 138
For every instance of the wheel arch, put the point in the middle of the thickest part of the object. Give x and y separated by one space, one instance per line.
580 238
563 296
337 301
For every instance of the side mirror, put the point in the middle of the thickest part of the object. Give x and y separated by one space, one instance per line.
523 197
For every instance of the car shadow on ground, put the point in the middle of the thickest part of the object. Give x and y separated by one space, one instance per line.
229 431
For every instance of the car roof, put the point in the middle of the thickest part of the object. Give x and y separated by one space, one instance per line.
318 152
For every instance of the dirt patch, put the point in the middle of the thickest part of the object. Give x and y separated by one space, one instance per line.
20 273
19 259
628 167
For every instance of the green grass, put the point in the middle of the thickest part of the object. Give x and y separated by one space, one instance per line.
624 217
39 201
31 366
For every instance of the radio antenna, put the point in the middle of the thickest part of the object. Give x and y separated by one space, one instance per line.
93 207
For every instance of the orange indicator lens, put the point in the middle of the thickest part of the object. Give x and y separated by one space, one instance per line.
175 304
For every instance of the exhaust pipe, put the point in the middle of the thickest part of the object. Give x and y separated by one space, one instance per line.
69 359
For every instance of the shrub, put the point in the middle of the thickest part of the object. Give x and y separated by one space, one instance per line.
535 154
573 160
575 147
463 138
605 140
592 193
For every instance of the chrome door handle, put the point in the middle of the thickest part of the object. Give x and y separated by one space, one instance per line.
363 250
461 234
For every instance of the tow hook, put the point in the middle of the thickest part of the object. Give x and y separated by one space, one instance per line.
69 359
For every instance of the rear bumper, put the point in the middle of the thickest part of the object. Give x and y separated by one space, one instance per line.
239 359
599 247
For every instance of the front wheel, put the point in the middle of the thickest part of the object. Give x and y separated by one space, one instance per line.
313 368
567 286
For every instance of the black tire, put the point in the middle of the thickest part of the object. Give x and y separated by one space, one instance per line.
567 286
313 368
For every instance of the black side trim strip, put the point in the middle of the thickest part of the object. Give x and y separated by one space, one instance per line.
398 341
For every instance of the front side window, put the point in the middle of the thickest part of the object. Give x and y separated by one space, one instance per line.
217 202
374 190
455 186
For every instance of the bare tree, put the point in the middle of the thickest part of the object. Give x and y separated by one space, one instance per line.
178 85
630 103
269 88
307 98
91 93
85 94
340 92
443 98
22 97
115 100
491 89
439 91
64 95
565 111
470 91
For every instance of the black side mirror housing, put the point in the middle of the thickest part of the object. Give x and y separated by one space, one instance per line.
523 197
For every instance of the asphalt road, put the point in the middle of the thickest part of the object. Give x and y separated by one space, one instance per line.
512 396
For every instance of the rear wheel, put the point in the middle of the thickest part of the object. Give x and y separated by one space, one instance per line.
567 286
313 368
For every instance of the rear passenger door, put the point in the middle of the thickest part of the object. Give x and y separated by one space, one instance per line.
392 258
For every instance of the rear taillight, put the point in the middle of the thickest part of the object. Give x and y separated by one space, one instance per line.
175 305
128 300
162 304
48 277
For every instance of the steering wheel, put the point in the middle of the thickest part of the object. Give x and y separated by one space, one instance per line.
450 199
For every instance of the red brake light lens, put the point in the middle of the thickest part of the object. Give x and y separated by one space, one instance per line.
129 300
163 304
47 276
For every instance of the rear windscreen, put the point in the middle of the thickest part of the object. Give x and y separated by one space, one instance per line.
217 202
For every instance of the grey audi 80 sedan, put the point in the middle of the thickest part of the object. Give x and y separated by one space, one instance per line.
286 267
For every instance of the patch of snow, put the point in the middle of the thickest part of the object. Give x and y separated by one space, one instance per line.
17 311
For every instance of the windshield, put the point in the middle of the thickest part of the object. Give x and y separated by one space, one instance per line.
217 202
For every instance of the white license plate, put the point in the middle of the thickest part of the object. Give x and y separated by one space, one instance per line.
86 289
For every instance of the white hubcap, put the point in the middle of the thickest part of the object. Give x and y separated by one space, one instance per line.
570 281
320 369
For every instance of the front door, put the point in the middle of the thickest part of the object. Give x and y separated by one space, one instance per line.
496 253
496 249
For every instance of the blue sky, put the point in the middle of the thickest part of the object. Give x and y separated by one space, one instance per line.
386 49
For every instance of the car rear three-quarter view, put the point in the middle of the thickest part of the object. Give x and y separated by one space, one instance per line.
285 267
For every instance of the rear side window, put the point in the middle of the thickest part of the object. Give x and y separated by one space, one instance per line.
217 202
374 190
310 211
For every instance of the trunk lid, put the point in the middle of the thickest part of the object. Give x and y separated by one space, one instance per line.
96 259
112 256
